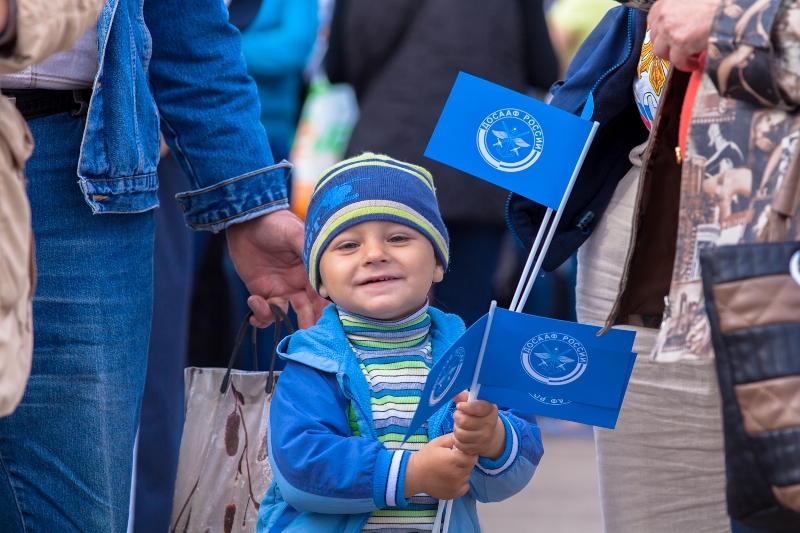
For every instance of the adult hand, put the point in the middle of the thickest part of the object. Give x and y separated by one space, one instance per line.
438 470
679 30
268 255
477 428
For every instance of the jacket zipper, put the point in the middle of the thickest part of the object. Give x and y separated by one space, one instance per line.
350 396
635 226
615 67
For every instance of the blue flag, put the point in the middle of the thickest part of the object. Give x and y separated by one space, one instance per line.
536 365
450 375
509 139
551 357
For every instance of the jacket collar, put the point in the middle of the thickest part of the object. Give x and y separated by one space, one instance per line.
325 348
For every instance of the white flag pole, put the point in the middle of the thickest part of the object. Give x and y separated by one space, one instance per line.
520 302
531 256
556 220
473 395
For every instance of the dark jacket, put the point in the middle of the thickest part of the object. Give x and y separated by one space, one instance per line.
604 66
403 56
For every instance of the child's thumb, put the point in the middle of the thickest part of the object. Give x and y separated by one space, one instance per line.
445 441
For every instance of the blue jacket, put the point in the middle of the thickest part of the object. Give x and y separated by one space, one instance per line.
327 481
605 66
176 63
276 46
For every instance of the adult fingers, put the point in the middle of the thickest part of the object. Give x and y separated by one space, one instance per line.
304 308
262 314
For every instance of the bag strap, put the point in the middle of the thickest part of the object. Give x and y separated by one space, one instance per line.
280 318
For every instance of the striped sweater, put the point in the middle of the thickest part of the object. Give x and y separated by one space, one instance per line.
395 357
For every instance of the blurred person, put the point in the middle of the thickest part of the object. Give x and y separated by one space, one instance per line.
570 22
644 208
402 57
276 47
30 31
95 112
277 36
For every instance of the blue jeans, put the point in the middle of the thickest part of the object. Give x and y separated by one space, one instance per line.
161 422
66 453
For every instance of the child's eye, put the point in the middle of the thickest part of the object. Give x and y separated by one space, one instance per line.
398 238
347 246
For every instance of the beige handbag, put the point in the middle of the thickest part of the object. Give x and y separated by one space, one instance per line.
17 265
223 468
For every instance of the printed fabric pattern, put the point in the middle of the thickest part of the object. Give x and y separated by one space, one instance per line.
740 149
395 357
650 81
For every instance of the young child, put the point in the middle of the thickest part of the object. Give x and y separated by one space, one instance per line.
374 244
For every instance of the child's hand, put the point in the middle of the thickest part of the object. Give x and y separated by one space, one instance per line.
438 470
477 428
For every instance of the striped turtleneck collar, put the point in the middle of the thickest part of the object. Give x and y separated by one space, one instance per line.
368 334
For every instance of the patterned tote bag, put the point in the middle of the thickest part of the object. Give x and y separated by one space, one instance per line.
223 468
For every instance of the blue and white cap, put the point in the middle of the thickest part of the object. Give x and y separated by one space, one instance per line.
371 187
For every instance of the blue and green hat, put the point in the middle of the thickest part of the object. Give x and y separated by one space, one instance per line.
371 187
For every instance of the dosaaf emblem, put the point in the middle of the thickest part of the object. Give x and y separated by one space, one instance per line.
510 140
448 376
554 358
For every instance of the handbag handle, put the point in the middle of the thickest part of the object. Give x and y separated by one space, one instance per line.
280 317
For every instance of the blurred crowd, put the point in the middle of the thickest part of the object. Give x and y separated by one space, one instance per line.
334 78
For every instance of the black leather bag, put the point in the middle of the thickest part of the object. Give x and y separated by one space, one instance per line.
753 305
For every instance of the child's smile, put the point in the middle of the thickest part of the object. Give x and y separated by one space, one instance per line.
379 269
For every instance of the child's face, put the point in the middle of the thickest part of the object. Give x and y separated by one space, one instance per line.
379 269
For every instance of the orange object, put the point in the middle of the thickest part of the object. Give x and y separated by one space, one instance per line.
688 104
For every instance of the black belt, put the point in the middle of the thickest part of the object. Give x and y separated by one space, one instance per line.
36 103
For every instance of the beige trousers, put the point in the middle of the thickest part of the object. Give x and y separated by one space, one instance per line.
662 470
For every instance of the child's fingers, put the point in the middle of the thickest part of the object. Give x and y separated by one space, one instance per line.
462 396
445 441
463 459
476 408
470 422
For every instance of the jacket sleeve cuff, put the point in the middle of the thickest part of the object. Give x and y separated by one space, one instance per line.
390 475
510 453
236 200
740 53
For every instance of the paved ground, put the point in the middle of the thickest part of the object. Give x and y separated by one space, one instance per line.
562 497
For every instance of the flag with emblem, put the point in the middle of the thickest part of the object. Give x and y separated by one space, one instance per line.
509 139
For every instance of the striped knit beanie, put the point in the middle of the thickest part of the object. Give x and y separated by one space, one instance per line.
371 187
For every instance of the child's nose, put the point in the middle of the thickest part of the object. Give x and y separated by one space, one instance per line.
374 252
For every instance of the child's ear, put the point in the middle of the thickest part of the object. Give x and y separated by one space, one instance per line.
322 290
438 271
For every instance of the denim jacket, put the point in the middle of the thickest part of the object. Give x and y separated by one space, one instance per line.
177 65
